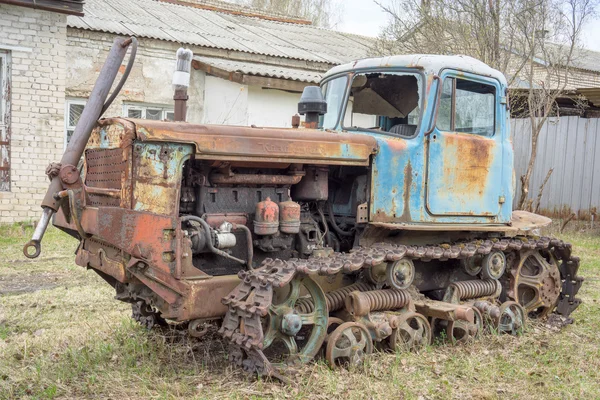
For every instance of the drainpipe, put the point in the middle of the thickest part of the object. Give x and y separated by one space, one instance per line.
181 82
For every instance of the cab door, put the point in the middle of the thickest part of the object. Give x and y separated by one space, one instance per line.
464 151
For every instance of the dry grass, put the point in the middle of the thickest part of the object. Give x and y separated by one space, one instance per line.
62 335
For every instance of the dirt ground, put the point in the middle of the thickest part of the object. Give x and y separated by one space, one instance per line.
62 335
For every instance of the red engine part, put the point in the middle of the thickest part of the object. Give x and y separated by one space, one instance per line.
289 217
266 220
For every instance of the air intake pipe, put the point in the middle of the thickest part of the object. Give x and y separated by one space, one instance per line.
96 105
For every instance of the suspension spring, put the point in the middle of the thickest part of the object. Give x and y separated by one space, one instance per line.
361 303
335 299
465 290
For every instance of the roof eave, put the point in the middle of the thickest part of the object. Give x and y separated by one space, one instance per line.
58 6
290 85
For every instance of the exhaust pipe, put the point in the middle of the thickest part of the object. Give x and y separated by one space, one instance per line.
95 107
181 82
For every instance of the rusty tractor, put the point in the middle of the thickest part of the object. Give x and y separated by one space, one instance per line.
384 221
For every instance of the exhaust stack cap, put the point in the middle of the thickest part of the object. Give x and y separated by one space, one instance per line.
181 77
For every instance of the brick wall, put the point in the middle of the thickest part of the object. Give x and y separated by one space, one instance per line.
36 43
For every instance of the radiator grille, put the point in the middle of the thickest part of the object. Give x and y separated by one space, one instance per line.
104 170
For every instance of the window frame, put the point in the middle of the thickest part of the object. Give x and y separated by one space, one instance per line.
465 76
68 103
5 113
341 108
143 107
352 74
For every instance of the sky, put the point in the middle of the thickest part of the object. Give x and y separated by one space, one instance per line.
364 17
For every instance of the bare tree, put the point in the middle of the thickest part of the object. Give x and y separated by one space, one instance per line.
549 65
533 42
323 13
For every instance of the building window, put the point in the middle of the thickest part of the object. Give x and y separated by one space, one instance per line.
146 111
4 121
73 112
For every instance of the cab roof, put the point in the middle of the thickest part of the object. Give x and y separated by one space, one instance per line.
429 63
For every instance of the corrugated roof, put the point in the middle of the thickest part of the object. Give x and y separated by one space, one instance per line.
581 58
208 28
266 70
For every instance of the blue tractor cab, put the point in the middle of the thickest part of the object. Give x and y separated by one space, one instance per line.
442 125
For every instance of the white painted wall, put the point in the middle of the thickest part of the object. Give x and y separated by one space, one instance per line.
229 103
272 108
225 102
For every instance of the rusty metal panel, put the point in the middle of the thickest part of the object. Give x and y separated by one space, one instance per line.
464 175
157 175
104 170
139 234
108 163
232 143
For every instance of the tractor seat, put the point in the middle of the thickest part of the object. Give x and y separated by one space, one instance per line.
403 130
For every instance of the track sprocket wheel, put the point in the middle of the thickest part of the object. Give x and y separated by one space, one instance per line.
535 283
412 332
290 336
349 344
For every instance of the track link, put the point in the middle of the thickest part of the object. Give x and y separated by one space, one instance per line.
251 299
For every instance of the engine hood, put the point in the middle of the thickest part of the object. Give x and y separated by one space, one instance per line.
247 144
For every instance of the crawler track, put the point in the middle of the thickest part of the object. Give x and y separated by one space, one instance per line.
249 303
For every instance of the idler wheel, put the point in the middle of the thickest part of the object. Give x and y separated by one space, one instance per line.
511 319
348 345
292 336
411 332
493 265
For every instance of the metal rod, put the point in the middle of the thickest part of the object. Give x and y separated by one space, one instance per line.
90 115
38 234
92 111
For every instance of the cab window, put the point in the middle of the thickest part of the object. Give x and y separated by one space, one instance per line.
467 106
385 102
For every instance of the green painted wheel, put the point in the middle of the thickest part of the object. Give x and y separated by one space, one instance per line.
292 336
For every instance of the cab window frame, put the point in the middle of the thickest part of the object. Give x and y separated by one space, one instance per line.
361 71
455 75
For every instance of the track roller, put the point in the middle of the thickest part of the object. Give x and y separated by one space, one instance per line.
493 265
411 332
348 345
